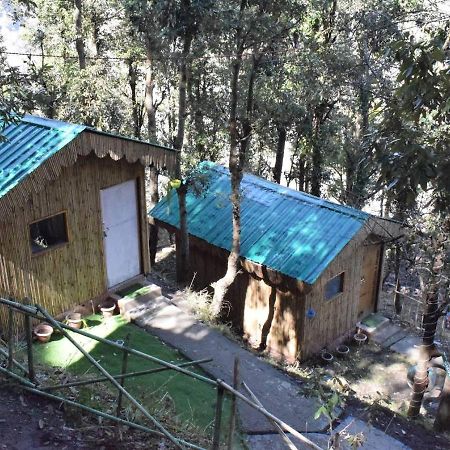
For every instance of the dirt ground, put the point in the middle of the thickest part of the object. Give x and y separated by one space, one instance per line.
29 422
378 393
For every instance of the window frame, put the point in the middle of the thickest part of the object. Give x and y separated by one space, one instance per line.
53 247
340 275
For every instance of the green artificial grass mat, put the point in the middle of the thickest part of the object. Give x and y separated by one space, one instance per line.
373 320
133 291
192 400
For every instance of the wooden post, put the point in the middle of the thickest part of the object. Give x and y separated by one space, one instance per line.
218 418
10 338
29 339
124 371
233 404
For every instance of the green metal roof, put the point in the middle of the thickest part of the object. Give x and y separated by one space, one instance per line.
28 144
292 232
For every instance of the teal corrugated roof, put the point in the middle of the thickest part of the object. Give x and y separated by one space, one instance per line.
289 231
28 144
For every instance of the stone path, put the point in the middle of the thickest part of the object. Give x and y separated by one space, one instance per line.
278 392
373 439
170 320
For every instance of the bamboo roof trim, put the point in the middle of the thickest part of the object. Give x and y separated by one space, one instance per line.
102 145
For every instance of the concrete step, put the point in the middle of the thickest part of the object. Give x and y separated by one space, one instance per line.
373 323
387 332
398 336
127 304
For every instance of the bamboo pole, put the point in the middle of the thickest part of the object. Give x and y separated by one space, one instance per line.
283 435
30 387
16 363
218 418
264 411
35 312
117 377
233 405
29 339
111 379
10 339
124 370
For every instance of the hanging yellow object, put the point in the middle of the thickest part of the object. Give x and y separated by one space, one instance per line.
175 184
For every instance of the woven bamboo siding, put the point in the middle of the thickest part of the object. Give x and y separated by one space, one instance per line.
263 312
337 316
74 272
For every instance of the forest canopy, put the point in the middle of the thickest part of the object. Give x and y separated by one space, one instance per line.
345 99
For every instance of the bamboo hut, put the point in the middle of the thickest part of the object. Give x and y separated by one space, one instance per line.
310 268
73 220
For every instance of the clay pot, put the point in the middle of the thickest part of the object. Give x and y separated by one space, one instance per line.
342 350
43 332
107 308
326 357
360 338
74 320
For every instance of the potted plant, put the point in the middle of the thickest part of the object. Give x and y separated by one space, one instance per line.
74 320
342 350
43 332
107 307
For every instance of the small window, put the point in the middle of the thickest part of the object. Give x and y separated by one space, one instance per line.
334 286
48 233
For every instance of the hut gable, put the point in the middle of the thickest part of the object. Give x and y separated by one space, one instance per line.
291 232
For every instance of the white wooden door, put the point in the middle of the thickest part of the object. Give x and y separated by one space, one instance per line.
121 232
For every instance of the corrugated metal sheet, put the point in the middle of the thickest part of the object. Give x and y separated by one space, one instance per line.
289 231
28 144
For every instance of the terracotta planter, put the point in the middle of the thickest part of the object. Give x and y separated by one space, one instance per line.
342 350
360 338
74 320
43 332
327 357
107 308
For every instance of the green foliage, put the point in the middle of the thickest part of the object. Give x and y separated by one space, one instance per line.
361 89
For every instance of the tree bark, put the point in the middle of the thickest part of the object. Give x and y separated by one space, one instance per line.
182 245
221 286
135 107
79 41
281 144
150 110
317 160
427 349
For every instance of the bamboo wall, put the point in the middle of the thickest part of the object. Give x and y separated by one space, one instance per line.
265 306
264 302
336 317
74 272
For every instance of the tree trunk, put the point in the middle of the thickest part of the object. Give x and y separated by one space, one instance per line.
150 110
182 245
317 160
221 286
149 103
427 349
281 144
154 198
135 108
79 41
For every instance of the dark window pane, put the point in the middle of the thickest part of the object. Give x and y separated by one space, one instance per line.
334 286
47 233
